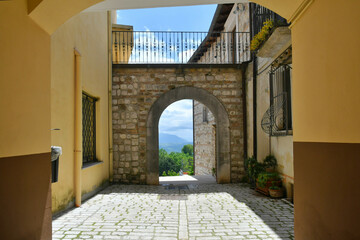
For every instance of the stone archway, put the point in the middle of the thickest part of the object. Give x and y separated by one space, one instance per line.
222 128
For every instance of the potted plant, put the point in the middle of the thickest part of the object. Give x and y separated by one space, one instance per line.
276 191
253 168
270 163
267 179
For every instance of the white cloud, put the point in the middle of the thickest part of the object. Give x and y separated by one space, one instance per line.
177 119
118 17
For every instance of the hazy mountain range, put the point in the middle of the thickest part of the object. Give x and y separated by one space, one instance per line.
172 143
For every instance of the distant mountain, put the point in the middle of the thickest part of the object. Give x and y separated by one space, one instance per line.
171 143
169 138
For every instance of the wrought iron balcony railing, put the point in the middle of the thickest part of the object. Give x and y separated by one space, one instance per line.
135 47
260 14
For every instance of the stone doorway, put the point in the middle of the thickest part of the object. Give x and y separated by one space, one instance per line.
221 117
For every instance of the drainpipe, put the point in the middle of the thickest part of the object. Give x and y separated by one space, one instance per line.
244 94
193 115
78 129
111 166
254 105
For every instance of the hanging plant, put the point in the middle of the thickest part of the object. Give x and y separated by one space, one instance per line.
260 38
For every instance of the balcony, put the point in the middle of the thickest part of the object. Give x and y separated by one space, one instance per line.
165 47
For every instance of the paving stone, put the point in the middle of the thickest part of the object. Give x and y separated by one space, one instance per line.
209 211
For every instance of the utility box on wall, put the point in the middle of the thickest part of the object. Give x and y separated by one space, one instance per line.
55 155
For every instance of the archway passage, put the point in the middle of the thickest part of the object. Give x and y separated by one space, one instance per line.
222 140
142 94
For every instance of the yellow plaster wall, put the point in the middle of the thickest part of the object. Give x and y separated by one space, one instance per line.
86 32
51 14
24 82
326 73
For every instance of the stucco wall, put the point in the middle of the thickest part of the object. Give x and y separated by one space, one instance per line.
279 146
134 92
87 33
24 83
204 138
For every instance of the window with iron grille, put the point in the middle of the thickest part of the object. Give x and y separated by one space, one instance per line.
88 128
280 100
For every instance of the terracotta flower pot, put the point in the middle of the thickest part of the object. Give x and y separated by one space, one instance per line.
278 193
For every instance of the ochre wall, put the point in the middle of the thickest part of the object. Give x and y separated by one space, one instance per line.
87 33
24 83
326 83
25 205
327 74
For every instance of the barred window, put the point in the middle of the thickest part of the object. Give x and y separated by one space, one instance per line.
205 114
88 128
280 100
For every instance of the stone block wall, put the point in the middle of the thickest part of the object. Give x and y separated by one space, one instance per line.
135 90
204 138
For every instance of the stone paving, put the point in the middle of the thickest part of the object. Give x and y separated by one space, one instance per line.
208 211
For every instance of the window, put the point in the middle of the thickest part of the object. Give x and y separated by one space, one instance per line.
280 100
89 128
205 114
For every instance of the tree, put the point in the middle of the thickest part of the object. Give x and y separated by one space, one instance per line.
171 164
188 149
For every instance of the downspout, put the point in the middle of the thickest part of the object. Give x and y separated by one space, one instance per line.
255 105
254 58
244 94
78 129
110 133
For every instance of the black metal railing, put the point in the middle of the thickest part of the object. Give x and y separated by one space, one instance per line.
88 128
260 14
140 47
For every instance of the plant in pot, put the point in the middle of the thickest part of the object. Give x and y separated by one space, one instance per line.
267 179
276 191
270 163
253 168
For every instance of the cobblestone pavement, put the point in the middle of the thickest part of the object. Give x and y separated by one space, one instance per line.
211 211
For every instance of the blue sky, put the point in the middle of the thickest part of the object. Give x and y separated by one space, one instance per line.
188 18
177 118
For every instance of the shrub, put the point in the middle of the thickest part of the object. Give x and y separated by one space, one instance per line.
261 37
270 162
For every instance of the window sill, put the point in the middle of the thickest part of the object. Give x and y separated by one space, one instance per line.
282 133
90 164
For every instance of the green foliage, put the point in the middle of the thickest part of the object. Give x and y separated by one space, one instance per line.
270 162
188 149
274 187
170 164
172 173
253 168
264 177
261 37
